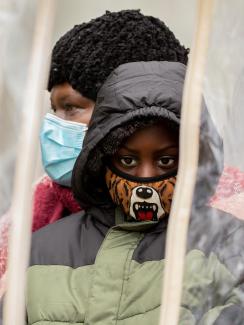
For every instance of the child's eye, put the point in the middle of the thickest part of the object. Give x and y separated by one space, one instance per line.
128 161
166 162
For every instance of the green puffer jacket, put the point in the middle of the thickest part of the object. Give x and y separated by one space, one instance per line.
94 268
123 285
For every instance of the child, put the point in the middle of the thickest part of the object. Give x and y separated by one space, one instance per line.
105 265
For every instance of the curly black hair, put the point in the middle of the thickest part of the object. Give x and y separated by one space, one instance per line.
86 55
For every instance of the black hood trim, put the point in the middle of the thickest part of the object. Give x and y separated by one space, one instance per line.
153 111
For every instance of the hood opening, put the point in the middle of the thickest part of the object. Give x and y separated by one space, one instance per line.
134 91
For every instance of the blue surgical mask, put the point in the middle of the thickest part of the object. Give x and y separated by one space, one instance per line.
61 143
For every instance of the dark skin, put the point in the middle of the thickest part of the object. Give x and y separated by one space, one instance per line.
70 105
150 152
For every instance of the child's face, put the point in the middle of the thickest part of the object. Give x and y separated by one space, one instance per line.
70 105
150 152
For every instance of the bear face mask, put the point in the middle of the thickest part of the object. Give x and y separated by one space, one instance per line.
141 199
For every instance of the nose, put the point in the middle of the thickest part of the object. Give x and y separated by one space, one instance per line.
146 170
144 192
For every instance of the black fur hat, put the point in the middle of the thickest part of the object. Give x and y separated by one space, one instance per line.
89 52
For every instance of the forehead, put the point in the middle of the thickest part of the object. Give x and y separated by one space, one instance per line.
159 133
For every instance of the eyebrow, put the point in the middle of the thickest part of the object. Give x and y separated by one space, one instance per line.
64 98
159 150
61 99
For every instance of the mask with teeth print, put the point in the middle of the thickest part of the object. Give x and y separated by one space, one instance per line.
141 199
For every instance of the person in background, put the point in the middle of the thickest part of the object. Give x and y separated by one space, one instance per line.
81 61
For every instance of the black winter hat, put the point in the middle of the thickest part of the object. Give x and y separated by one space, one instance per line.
89 52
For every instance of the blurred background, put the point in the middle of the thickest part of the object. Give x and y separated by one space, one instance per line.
177 14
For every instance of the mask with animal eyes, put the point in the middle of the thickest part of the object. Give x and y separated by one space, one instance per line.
141 199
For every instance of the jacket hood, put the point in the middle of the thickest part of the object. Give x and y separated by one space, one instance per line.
133 90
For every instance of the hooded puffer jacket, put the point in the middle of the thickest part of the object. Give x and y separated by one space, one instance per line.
94 268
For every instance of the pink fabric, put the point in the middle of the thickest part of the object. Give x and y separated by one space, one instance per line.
4 232
229 195
51 202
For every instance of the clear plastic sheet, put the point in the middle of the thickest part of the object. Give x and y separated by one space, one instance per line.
215 229
215 252
16 21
